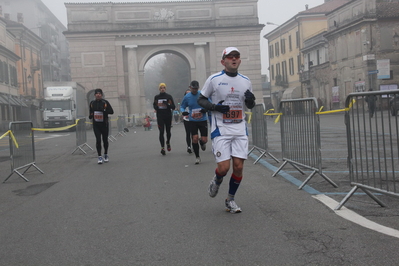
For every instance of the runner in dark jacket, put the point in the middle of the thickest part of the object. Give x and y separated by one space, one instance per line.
99 111
163 105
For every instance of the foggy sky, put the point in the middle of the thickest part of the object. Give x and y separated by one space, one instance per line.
268 10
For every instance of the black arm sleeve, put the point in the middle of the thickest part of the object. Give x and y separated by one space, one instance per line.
172 105
109 108
155 103
205 103
91 112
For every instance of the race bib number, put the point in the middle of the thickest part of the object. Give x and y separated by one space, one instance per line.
233 116
161 104
98 116
196 114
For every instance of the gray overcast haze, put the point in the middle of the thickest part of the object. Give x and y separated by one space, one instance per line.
269 10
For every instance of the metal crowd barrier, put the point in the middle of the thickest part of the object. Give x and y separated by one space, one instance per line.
22 148
121 124
110 136
300 137
81 135
259 133
373 143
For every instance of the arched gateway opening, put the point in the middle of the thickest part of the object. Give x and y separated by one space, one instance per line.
110 43
170 68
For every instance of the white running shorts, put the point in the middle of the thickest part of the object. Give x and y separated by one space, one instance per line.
225 147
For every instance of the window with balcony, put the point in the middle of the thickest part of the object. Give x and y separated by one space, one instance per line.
282 46
291 66
272 72
276 48
284 70
271 51
298 41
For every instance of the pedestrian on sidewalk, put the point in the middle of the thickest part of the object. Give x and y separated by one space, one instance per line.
164 105
99 109
231 91
198 119
147 123
371 102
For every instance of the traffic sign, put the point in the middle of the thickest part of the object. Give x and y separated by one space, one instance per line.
373 72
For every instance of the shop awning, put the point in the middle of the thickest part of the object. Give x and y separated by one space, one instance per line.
3 100
19 101
13 100
292 93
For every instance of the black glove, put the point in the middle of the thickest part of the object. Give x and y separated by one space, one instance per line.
203 111
221 108
184 113
165 102
90 116
249 95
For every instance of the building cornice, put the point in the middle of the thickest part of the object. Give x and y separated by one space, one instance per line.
8 53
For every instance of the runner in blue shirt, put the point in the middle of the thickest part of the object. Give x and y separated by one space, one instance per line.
197 117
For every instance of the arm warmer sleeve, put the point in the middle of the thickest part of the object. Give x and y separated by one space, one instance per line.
205 103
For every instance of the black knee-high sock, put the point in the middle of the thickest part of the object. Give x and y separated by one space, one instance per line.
196 149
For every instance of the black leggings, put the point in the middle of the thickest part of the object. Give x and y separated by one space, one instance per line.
164 122
188 133
101 129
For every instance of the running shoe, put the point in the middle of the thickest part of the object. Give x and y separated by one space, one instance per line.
203 145
213 188
106 158
189 150
197 160
232 207
163 152
168 147
100 160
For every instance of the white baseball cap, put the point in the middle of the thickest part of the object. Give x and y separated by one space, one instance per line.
228 50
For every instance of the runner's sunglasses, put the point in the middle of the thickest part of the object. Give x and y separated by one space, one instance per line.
231 56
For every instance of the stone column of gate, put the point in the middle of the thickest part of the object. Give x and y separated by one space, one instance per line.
133 76
200 62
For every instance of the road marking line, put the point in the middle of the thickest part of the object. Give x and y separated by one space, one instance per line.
356 218
329 202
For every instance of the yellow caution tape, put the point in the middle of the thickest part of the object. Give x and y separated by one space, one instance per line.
14 140
5 134
277 114
250 117
57 128
268 111
9 132
338 110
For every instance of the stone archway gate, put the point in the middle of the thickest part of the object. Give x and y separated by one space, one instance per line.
110 43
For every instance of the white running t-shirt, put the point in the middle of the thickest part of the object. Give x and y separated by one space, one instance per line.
219 87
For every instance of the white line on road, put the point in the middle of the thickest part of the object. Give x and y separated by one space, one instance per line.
329 202
356 218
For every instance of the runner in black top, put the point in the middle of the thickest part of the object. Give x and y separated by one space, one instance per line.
163 105
99 111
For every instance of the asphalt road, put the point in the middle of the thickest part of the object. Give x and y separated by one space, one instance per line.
143 208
